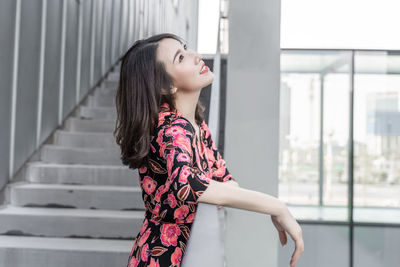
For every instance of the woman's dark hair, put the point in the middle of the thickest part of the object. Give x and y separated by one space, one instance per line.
139 97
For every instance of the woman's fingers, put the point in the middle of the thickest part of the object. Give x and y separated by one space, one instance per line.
283 237
281 231
299 249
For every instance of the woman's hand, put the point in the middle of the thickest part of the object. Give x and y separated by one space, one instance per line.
286 222
231 182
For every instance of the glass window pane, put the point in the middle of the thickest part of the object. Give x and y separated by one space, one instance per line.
376 136
315 83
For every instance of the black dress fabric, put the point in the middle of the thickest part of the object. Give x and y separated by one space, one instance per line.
179 170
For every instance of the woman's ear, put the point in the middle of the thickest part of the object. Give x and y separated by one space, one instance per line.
172 91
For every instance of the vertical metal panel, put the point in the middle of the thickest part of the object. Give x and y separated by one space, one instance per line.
141 19
7 17
145 19
130 25
103 37
116 29
71 49
62 61
121 27
51 76
108 25
137 20
85 49
28 79
99 30
41 72
92 40
124 16
79 53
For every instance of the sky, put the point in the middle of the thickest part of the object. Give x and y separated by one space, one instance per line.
356 24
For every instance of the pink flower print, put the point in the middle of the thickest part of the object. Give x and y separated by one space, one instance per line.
172 200
160 191
149 185
176 257
210 155
170 161
133 247
144 237
144 226
183 158
169 234
203 177
226 178
184 143
145 252
174 130
181 213
143 169
156 210
206 129
133 262
154 263
160 137
152 148
162 149
220 171
184 174
190 218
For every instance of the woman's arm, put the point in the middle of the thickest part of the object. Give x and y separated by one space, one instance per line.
225 194
236 197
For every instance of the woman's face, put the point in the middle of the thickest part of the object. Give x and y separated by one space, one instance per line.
184 66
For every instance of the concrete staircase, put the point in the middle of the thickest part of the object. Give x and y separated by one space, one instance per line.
78 205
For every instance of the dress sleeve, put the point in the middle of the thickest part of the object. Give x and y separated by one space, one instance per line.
185 181
220 171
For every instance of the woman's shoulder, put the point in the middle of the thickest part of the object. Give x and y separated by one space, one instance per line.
168 121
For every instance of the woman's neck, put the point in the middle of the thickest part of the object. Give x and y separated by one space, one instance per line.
186 104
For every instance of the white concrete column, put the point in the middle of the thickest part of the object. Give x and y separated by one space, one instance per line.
252 126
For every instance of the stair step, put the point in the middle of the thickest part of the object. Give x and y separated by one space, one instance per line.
76 196
105 92
75 155
63 222
110 84
104 113
79 139
22 251
56 173
100 101
89 125
113 76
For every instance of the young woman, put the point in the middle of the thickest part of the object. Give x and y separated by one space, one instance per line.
161 131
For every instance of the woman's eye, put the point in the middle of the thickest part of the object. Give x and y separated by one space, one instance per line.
180 58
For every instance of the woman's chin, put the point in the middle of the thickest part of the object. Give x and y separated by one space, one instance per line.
209 82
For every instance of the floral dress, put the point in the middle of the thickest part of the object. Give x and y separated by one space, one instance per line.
180 168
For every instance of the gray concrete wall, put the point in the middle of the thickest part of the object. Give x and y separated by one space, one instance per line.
53 52
252 126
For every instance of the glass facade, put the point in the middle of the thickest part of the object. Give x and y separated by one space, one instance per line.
339 149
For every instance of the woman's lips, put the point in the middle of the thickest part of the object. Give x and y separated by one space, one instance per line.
206 69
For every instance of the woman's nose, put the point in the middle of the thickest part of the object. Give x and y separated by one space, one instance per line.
197 57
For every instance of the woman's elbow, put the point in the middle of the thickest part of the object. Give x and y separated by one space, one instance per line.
215 193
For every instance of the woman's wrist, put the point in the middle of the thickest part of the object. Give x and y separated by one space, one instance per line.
232 182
